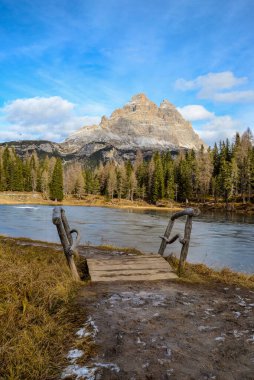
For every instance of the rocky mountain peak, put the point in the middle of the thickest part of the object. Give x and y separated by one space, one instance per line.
139 124
166 104
140 103
139 99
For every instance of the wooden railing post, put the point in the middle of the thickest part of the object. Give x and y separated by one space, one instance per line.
189 212
186 243
64 232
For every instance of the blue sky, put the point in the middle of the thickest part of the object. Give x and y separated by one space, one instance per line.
65 63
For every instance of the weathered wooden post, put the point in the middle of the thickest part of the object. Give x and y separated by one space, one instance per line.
65 235
189 212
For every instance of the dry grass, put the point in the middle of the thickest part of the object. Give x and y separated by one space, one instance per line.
37 314
201 274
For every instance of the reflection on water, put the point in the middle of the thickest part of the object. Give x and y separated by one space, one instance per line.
218 239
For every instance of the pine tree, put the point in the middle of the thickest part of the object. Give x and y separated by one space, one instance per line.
204 172
18 184
184 178
158 189
7 169
27 175
169 178
225 180
56 184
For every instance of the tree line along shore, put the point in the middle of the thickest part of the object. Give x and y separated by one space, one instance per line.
224 173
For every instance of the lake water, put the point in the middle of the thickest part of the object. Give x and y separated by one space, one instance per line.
217 240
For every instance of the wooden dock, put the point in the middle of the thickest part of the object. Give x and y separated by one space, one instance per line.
130 268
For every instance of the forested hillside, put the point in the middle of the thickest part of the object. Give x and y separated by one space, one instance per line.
224 172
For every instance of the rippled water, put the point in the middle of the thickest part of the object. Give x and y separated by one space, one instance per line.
217 239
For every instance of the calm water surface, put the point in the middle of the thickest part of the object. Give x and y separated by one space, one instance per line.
217 239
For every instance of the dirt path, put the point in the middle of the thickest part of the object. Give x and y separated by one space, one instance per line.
161 330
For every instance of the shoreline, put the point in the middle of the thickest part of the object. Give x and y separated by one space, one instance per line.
195 273
16 198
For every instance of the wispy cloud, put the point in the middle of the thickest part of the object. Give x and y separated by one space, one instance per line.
215 86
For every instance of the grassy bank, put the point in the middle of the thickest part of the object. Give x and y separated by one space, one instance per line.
38 316
202 274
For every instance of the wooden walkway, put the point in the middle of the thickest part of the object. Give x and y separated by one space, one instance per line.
134 268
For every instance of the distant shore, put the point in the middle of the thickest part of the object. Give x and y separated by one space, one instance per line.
15 197
12 198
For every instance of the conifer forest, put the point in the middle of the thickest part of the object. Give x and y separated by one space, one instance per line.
224 172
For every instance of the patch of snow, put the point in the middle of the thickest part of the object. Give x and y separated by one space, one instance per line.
145 365
168 352
113 367
242 301
237 314
139 298
207 328
82 333
74 370
220 338
92 324
75 354
79 372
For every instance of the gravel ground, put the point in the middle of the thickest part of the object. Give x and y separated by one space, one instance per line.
167 330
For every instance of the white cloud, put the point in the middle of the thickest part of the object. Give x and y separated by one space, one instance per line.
211 82
214 86
210 127
219 128
51 118
234 96
195 112
38 110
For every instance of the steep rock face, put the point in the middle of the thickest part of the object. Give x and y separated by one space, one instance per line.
140 124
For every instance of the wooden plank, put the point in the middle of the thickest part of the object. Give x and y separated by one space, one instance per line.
117 266
143 277
138 268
